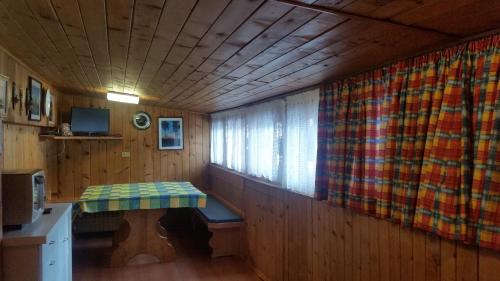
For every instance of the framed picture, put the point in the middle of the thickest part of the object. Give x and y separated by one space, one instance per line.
4 85
170 133
35 98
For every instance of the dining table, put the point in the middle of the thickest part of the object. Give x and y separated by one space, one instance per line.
142 204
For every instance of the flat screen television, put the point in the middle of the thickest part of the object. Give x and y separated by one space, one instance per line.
89 121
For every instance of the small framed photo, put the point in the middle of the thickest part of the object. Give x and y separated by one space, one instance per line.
170 133
35 98
4 88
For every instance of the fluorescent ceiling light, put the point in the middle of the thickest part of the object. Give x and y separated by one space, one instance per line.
121 97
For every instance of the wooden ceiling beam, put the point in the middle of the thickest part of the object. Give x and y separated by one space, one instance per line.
341 13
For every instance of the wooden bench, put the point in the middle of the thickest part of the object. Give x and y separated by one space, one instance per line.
225 226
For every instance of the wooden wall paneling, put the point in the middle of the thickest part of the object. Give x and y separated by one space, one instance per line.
134 152
345 245
199 22
92 16
199 151
347 238
176 156
68 13
227 186
18 73
374 250
265 247
187 148
35 49
255 25
80 159
301 71
235 14
274 58
46 16
165 154
65 160
169 163
285 25
232 18
98 157
432 258
488 265
394 249
448 260
317 238
298 239
157 168
146 17
357 251
467 263
365 248
210 55
384 249
419 258
50 167
206 148
461 20
128 112
24 150
406 240
101 162
297 72
192 144
114 147
331 243
148 153
119 22
138 155
338 233
172 20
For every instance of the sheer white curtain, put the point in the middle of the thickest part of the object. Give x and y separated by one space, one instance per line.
264 135
235 140
300 141
276 140
217 137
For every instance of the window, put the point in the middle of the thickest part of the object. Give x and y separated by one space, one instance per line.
217 139
300 140
275 140
264 134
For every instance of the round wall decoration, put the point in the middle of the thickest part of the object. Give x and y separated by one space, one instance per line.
141 120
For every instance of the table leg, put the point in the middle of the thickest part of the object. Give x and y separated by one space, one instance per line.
141 233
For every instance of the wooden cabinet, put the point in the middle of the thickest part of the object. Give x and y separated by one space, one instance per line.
40 251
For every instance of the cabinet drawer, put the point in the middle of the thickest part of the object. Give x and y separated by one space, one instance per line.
55 252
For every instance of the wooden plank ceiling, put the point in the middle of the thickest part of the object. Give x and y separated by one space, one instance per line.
209 55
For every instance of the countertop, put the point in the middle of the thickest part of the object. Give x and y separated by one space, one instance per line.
36 233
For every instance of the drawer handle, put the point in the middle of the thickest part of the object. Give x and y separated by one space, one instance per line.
52 242
52 262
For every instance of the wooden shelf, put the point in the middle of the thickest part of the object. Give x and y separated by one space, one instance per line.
52 137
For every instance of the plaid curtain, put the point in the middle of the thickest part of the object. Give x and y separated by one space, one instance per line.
418 143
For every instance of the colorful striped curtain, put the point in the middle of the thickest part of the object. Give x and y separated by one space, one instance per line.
418 143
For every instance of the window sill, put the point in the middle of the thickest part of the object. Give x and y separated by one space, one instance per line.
260 181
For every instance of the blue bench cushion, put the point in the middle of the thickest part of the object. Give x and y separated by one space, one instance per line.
216 212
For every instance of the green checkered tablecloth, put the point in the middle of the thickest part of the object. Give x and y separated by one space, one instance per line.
139 196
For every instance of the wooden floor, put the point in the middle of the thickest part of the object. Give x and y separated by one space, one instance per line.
193 263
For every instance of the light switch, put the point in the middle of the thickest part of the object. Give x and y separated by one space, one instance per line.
125 154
